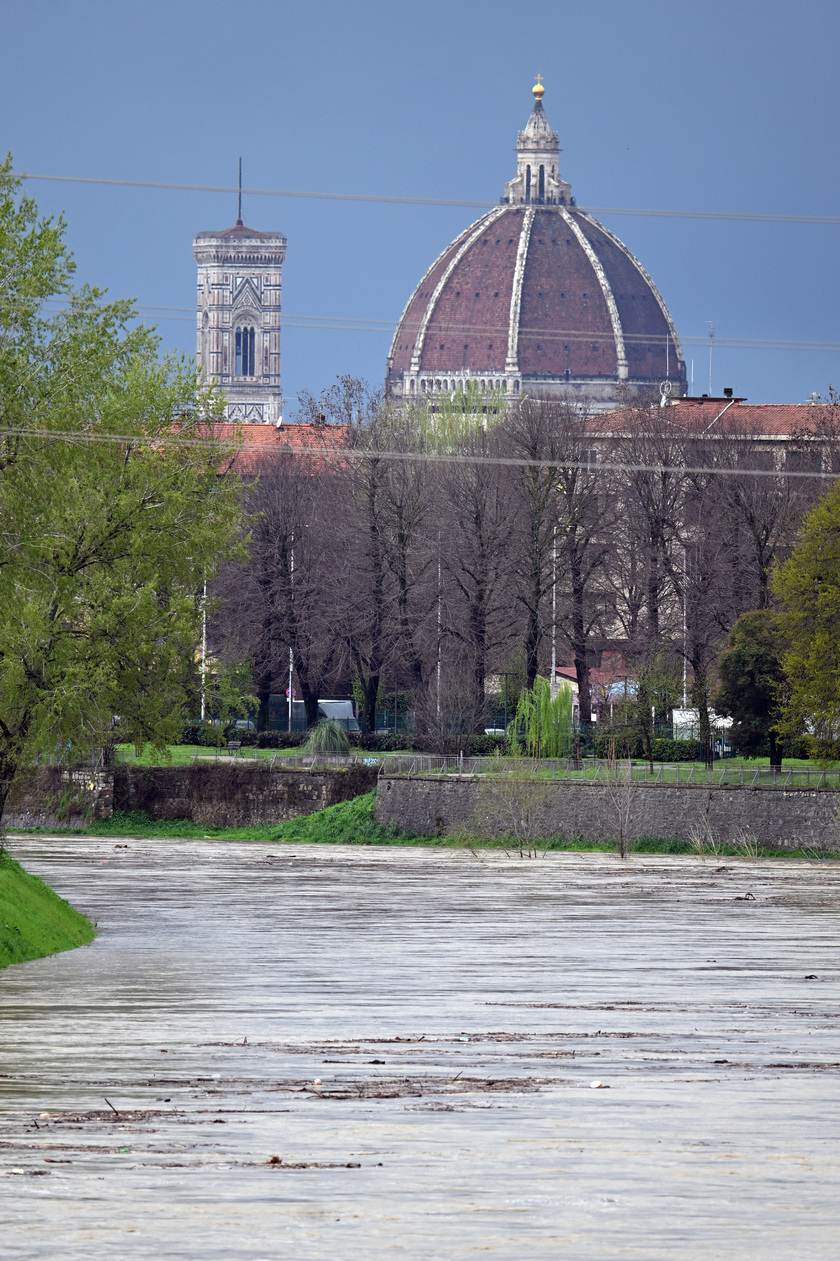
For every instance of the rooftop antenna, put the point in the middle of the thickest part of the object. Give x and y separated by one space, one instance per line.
711 325
239 215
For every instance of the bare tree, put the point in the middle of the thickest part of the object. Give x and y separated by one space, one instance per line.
380 580
586 514
652 443
273 605
472 543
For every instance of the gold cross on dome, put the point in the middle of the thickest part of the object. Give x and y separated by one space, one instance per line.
539 79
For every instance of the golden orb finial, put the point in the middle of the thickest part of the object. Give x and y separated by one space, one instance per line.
538 89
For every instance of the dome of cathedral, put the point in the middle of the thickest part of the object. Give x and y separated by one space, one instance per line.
536 297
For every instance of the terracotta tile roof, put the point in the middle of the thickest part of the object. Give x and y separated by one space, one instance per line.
771 420
261 444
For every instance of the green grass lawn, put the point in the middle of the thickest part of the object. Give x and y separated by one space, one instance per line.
182 754
34 920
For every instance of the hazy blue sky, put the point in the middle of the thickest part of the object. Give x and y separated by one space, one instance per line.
719 105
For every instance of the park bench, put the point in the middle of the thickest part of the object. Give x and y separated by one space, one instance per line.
234 746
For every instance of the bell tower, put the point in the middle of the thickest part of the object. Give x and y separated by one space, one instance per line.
238 318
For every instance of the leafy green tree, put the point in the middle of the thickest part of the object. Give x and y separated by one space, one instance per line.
752 684
545 721
228 695
808 585
112 509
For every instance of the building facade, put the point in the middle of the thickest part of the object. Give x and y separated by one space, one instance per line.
238 320
537 297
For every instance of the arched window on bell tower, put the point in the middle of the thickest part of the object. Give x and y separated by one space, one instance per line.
245 359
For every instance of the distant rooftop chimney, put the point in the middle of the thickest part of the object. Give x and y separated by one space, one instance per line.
727 391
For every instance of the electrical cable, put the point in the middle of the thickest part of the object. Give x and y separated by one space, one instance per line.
351 324
421 457
737 216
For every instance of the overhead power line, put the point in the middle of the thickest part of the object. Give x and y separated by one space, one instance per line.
354 324
732 215
232 448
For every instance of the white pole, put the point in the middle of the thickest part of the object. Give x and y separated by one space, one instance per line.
291 656
438 634
711 343
203 646
554 614
290 689
685 631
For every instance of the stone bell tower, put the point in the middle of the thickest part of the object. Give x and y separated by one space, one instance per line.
238 329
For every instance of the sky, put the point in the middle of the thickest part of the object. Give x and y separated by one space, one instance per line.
727 105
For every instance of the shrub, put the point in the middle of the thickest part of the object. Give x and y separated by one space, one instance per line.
677 750
327 736
375 742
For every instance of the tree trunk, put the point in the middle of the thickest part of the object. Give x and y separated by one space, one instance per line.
264 697
776 752
370 691
308 695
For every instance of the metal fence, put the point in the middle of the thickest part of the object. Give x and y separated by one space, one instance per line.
597 770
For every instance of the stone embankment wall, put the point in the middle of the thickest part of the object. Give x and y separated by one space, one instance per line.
490 805
235 796
55 797
211 794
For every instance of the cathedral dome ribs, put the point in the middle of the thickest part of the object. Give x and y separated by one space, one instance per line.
536 296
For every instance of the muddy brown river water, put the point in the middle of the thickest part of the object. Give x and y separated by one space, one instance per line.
346 1053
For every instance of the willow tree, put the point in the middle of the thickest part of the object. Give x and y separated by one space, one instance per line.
544 722
112 509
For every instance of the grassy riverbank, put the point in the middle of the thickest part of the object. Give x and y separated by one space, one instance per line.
34 920
353 822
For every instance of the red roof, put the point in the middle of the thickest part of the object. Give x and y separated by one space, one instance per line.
736 416
261 445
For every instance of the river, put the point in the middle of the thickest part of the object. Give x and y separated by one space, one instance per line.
357 1052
